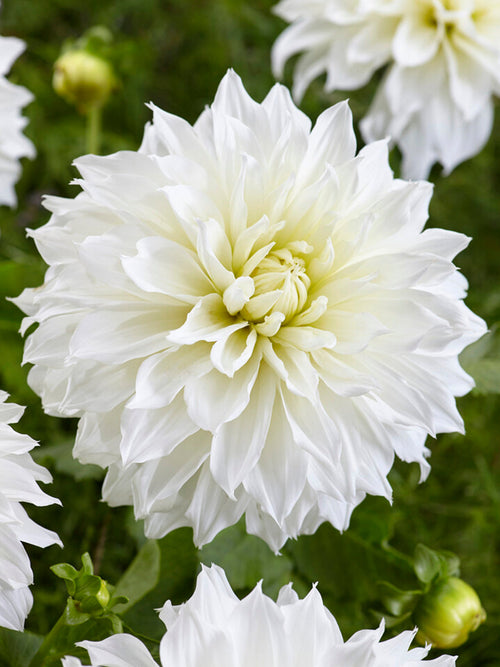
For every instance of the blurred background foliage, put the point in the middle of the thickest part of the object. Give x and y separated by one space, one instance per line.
174 53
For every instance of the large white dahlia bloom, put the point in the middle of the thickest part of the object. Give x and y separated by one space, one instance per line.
435 100
249 319
13 144
216 629
19 477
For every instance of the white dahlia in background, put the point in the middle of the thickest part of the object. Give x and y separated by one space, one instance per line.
435 100
19 475
216 629
248 318
13 144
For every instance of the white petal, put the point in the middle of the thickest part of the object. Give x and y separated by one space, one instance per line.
120 650
215 398
233 456
416 41
168 268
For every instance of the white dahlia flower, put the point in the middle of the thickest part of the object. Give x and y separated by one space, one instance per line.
248 318
19 475
216 629
13 144
435 100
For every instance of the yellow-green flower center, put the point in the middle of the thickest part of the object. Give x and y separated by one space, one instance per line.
283 271
281 282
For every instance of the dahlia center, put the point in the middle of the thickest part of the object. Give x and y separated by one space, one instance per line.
281 275
274 292
446 14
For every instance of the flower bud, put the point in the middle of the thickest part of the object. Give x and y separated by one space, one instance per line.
448 613
103 596
83 79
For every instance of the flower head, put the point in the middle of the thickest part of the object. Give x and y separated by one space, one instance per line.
216 629
248 318
13 144
436 98
18 483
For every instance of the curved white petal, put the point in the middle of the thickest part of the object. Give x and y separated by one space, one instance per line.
19 477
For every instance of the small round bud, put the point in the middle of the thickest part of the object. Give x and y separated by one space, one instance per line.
83 79
448 613
102 595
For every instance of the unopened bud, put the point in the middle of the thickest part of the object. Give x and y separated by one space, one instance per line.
102 595
83 79
448 613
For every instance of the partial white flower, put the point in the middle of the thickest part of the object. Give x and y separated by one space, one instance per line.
248 318
13 144
19 475
216 629
435 100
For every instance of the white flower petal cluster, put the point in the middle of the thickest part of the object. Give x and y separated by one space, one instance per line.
19 477
435 100
13 144
248 318
216 629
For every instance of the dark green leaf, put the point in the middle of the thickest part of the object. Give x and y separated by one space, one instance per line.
347 569
141 576
178 567
17 648
246 559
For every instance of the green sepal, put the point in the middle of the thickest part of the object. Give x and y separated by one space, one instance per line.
430 565
73 614
397 602
68 573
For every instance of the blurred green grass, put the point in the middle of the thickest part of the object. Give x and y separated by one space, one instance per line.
174 53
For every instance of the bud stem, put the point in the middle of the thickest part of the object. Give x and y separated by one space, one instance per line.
94 117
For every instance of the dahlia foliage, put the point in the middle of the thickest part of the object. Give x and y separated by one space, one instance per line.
435 100
248 318
216 629
19 475
13 144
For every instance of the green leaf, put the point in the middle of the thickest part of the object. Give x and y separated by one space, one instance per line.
246 559
481 360
347 568
141 577
17 648
486 374
178 567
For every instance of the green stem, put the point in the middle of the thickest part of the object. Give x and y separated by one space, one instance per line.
398 555
46 648
94 117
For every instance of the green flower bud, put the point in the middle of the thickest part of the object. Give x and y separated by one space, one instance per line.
83 79
103 596
448 613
